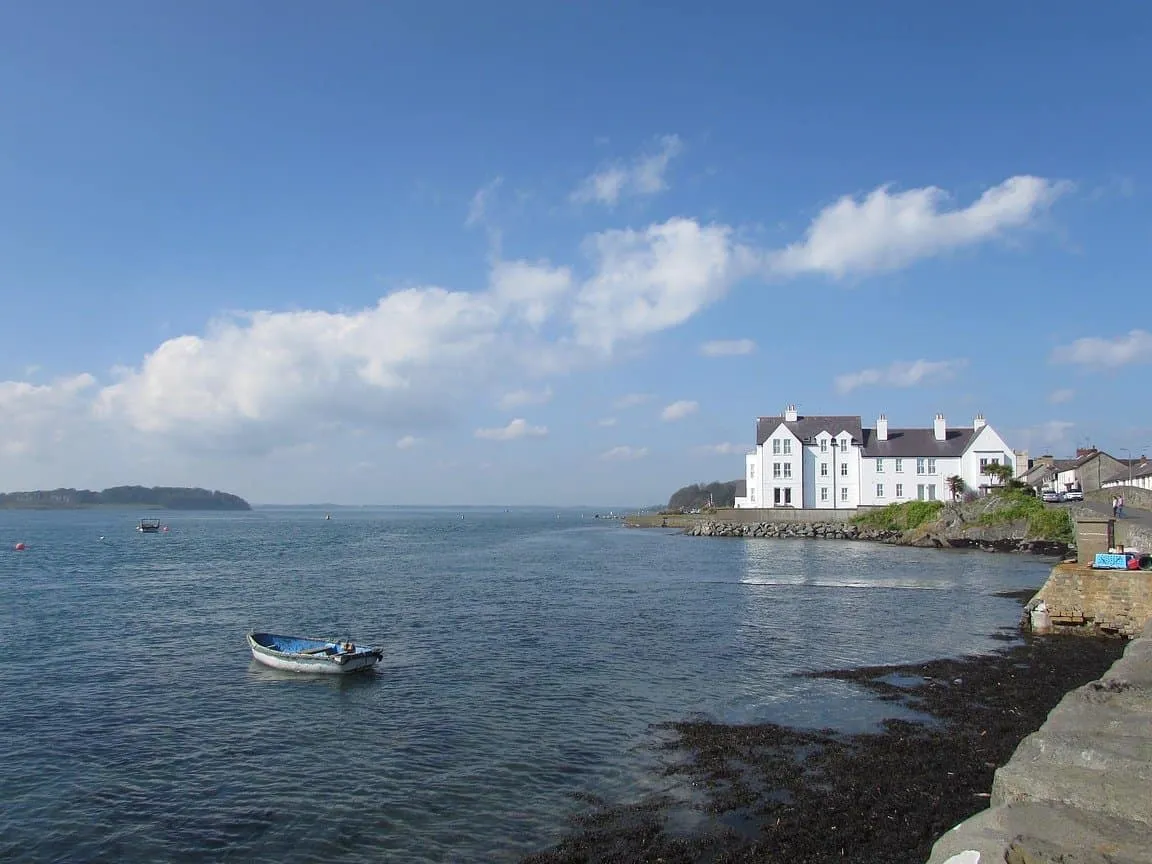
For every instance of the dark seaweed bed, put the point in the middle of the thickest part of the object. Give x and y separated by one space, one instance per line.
773 793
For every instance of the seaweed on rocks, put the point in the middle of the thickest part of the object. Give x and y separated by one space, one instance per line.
773 793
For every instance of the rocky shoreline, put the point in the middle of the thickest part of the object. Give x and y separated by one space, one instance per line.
993 542
774 793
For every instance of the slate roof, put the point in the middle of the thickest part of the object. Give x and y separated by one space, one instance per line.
905 443
807 428
1139 469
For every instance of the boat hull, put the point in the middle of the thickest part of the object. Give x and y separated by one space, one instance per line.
315 664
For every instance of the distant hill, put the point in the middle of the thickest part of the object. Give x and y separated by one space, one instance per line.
719 494
155 497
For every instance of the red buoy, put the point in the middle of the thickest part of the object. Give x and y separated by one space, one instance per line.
19 547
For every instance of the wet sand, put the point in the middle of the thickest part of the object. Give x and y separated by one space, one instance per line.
773 793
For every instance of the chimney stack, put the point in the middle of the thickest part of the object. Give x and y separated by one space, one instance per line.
979 423
790 414
939 428
881 428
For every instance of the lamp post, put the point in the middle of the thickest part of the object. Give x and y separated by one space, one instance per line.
1129 452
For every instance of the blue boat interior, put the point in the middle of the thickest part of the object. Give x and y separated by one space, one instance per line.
296 645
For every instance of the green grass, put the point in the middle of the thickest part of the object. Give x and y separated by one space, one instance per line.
1045 523
900 517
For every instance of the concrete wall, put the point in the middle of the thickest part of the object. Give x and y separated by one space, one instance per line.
1117 601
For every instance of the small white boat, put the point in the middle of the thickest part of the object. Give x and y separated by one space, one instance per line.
320 656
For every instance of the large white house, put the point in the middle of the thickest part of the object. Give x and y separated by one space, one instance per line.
834 463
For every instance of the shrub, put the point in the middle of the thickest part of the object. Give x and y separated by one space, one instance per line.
900 517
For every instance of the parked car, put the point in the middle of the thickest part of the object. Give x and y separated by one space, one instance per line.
1074 495
1051 496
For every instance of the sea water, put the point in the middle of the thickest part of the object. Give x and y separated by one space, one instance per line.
528 654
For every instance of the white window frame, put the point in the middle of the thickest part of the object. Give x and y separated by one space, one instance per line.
899 490
775 470
920 466
879 465
843 493
899 466
787 447
879 490
931 466
823 445
823 469
823 493
787 471
843 469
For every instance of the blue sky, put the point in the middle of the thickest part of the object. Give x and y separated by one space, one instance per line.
531 253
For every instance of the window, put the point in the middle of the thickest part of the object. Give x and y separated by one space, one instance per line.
931 466
787 470
776 496
751 472
899 490
823 445
879 466
919 491
899 466
843 493
843 469
823 469
931 491
843 445
787 446
879 490
823 493
752 495
787 496
919 466
983 464
775 470
775 446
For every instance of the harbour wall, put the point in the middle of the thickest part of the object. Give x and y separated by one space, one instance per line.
1076 790
1079 598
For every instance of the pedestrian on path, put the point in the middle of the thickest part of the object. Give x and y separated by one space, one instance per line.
1115 506
1120 506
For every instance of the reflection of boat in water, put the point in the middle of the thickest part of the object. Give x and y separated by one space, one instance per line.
321 656
149 526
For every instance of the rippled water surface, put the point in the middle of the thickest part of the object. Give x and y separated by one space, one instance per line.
526 655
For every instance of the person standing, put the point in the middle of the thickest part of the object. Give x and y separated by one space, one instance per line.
1115 506
1120 506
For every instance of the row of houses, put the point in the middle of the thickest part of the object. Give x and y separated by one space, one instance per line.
834 462
1090 470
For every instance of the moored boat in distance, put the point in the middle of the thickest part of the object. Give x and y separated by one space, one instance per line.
321 656
149 526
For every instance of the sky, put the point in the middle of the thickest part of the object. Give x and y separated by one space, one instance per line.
539 253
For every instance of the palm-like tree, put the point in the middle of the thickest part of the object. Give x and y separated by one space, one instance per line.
955 486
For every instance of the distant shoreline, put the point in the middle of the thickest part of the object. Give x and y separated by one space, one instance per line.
125 498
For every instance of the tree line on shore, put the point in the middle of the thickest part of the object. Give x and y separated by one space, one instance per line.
699 496
162 497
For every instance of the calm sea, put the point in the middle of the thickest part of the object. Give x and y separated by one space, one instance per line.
527 652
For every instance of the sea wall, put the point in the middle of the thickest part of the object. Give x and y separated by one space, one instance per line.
1076 790
1111 601
993 542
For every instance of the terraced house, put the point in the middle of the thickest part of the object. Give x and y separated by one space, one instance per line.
833 462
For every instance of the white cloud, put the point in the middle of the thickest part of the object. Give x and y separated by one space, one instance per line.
623 453
1056 397
889 230
727 347
477 208
901 374
532 289
518 428
1134 347
724 449
652 280
517 398
643 176
33 417
408 442
679 410
631 400
606 422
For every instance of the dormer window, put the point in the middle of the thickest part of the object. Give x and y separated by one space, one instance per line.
823 445
843 445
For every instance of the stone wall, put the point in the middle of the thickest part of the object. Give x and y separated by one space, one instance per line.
783 515
1113 601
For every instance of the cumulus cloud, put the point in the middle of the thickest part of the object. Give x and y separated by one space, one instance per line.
35 416
727 347
1095 352
533 289
518 398
724 449
901 374
624 453
652 280
679 410
888 230
643 176
1057 397
407 442
517 428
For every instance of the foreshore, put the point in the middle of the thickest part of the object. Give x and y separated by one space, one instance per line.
773 793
